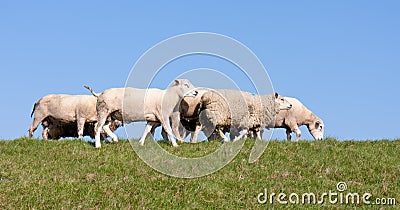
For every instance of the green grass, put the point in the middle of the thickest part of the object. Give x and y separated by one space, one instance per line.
72 174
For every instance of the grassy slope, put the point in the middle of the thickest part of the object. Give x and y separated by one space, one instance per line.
73 174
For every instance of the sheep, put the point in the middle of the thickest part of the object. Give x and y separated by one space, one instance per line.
228 111
152 105
222 110
245 111
78 109
262 111
189 109
299 115
251 112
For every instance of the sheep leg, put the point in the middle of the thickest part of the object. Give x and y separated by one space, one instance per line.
242 133
106 128
195 134
103 136
167 127
45 133
80 125
258 134
222 135
175 121
298 133
152 131
288 134
233 132
147 130
232 135
192 140
184 133
261 133
102 117
164 135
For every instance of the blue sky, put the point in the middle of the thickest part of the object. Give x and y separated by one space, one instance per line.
340 58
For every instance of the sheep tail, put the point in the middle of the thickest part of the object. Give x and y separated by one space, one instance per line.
34 108
91 90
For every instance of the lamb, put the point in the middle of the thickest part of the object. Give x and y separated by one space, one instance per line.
56 129
152 105
299 115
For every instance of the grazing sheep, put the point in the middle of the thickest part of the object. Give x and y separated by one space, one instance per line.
79 109
152 105
299 115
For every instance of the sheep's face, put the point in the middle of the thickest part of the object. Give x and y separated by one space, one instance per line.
190 106
282 102
115 124
317 129
186 88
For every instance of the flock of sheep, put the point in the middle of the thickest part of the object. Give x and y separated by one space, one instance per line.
181 109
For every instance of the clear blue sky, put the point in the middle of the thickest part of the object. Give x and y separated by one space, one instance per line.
340 58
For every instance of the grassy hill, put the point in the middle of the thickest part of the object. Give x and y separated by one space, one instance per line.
72 174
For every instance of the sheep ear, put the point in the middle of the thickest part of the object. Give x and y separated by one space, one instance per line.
276 95
317 123
176 82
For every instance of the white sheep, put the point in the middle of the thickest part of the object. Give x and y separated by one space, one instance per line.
263 110
223 110
296 116
236 112
65 115
152 105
